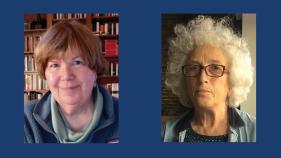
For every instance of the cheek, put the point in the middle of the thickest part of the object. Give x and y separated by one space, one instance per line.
222 88
52 79
93 76
190 85
89 77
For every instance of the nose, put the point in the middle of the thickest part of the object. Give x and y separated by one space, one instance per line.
66 73
203 76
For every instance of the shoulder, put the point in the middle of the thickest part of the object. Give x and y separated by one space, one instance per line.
29 121
116 107
247 118
168 131
32 104
111 113
29 107
245 125
115 101
111 102
172 127
31 125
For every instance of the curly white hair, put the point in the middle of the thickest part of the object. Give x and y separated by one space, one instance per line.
218 33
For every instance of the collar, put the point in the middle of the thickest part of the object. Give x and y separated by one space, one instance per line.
235 119
235 122
42 110
60 124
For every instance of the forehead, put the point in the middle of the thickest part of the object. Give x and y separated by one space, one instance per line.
70 52
207 54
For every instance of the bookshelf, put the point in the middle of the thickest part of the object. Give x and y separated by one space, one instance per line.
106 26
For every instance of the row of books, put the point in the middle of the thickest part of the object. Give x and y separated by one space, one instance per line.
61 16
113 88
34 21
32 96
30 42
33 82
29 25
29 63
110 47
106 28
105 14
112 69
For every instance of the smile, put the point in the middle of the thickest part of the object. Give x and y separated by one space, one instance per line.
70 87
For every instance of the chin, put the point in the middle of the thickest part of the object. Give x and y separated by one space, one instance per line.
206 103
71 100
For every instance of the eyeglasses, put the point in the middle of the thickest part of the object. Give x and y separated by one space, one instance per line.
212 70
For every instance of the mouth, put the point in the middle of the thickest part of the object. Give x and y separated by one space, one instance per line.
203 92
70 87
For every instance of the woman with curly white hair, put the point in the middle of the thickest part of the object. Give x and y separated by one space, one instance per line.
210 71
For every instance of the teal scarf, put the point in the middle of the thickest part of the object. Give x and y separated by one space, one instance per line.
60 125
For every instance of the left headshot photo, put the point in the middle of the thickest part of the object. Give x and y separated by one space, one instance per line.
71 79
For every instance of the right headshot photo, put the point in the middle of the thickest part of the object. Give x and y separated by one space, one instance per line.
208 79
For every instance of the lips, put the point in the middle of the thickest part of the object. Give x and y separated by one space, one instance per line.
203 91
70 87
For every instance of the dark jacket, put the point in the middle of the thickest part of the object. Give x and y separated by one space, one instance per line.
38 124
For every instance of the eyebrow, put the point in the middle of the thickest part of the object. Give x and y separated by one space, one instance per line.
79 56
55 59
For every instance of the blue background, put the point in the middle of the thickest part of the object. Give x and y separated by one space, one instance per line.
140 87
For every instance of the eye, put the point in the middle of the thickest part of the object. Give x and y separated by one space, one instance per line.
216 67
78 62
54 65
193 67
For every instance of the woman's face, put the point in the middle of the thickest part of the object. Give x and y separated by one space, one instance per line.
70 80
203 90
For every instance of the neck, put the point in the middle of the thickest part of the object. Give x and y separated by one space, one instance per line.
78 117
212 122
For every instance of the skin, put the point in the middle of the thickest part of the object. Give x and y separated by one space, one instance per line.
208 94
71 82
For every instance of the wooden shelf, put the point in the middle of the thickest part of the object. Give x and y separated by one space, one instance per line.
105 36
105 18
108 79
35 30
30 72
78 19
111 58
28 53
36 91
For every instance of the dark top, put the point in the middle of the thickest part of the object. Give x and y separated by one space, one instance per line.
192 136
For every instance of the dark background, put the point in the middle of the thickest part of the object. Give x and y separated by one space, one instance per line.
140 79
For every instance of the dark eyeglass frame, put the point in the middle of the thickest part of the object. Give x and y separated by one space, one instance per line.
205 69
